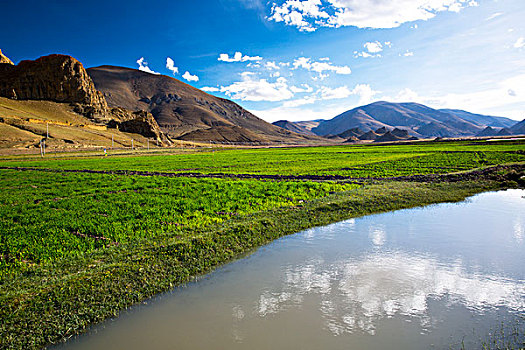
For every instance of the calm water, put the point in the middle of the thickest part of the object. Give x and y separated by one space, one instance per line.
411 279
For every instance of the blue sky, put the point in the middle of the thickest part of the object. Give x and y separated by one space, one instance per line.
296 59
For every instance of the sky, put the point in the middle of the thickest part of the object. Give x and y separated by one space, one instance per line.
295 59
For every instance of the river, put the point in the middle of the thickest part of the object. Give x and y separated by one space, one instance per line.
441 276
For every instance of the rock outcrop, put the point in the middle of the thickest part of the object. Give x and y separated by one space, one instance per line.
5 59
139 122
57 78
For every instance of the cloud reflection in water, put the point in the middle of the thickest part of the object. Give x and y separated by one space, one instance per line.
356 294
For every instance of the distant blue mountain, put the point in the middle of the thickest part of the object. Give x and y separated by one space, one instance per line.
419 120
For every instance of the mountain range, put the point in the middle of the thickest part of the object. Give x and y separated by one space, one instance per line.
416 119
108 103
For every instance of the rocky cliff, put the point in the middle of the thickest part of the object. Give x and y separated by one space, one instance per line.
139 122
58 78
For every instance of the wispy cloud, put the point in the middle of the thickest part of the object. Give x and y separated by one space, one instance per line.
520 43
143 66
238 57
494 15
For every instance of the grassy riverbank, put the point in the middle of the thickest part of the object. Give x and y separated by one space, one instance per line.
77 248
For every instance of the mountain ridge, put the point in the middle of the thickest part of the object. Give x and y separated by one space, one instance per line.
419 119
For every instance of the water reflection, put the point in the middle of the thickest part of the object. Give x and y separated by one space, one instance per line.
378 235
357 293
518 229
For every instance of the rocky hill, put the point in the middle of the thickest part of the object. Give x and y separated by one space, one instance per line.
63 79
185 112
57 78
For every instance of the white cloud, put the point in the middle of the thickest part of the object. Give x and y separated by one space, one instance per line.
520 43
407 53
327 93
372 49
170 64
303 88
271 65
238 57
295 12
308 15
190 77
210 89
300 102
143 66
320 67
365 92
251 89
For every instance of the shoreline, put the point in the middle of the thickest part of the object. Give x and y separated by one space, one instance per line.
64 298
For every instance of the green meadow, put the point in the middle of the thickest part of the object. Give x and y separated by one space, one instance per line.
78 247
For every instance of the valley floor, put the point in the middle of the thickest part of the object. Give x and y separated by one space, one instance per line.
83 237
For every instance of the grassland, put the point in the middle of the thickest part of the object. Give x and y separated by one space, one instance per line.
78 247
354 161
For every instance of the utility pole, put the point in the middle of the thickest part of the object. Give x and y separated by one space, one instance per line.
44 146
47 132
41 151
148 144
131 143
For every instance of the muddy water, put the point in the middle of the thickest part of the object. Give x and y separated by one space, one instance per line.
430 277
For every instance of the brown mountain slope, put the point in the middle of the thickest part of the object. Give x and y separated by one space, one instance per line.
183 111
23 123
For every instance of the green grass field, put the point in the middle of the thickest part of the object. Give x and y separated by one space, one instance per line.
76 248
352 161
47 216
